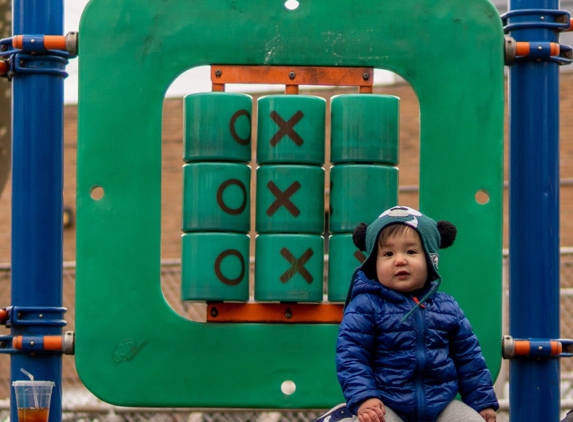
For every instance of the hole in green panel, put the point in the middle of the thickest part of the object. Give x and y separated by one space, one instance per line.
97 193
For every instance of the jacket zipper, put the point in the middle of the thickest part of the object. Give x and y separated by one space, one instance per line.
421 358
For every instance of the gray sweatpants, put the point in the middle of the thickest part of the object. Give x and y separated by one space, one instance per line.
456 411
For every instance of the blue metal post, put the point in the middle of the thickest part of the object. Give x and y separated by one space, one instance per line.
534 218
37 133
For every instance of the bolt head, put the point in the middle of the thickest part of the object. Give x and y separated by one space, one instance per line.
218 73
366 76
214 312
292 75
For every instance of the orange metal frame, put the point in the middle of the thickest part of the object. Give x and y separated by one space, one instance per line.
295 313
292 76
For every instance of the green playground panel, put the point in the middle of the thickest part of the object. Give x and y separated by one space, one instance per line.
132 349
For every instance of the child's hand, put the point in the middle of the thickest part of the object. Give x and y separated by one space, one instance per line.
488 415
372 410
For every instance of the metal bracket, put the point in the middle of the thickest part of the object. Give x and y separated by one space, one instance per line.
39 54
536 348
520 51
536 51
32 344
33 316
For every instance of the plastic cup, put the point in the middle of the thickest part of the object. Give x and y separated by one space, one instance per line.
33 400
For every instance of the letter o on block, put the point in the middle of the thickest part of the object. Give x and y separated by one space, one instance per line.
216 197
215 266
217 127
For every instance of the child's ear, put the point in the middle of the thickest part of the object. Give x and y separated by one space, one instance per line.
359 236
448 233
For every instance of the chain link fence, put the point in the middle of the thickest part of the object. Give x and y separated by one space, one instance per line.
82 406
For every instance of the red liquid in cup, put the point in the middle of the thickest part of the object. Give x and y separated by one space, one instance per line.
33 414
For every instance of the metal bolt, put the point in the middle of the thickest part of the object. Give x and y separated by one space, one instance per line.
3 47
20 313
32 40
540 48
288 313
32 343
218 73
540 347
22 63
366 76
542 18
2 344
292 75
214 312
41 315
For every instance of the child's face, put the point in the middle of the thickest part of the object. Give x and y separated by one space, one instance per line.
401 262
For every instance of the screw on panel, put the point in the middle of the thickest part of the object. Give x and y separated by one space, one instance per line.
288 313
218 73
292 75
214 312
366 76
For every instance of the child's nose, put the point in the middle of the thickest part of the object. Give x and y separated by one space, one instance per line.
400 259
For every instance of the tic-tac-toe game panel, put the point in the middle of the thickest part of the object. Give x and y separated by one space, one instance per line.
271 345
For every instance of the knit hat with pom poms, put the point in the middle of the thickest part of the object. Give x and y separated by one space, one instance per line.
434 235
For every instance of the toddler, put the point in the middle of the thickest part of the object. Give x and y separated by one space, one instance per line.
405 350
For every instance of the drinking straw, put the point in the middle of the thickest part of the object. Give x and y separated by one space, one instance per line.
36 405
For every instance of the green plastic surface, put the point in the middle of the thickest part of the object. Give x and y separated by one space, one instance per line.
290 199
131 347
290 267
216 197
364 129
217 127
215 266
290 129
344 257
358 192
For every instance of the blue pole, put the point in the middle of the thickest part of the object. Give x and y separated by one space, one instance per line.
534 218
37 150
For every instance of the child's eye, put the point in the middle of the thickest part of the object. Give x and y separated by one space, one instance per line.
387 253
412 252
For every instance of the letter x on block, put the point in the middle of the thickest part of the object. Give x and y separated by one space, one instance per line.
296 265
286 128
283 198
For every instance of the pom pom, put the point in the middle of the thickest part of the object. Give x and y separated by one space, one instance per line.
448 233
359 236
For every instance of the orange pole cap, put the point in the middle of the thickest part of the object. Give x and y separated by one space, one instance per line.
55 42
522 48
17 342
556 347
522 347
554 49
3 312
17 41
52 342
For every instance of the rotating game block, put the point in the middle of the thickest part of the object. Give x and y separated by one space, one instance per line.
290 199
364 129
215 267
217 127
359 193
343 258
289 267
216 197
290 129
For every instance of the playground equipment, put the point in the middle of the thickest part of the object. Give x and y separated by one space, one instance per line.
132 349
172 361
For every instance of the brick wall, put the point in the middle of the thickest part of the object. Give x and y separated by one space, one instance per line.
172 163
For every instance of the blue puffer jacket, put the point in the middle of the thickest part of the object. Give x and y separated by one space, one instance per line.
415 367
